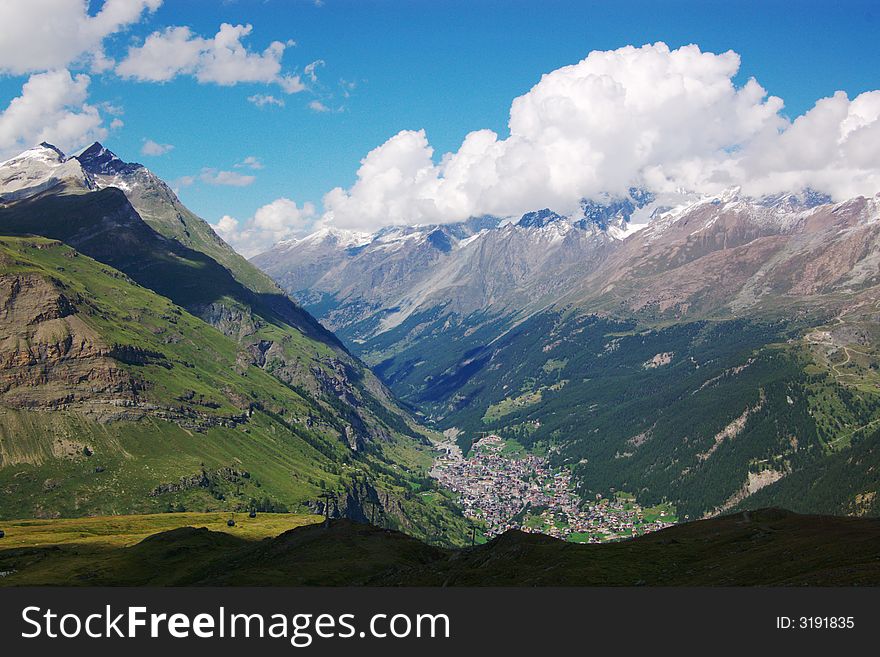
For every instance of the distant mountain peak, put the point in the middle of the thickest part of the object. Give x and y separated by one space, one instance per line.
539 219
45 145
100 160
607 211
38 169
44 152
806 198
439 240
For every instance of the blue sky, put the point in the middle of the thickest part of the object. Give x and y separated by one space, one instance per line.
446 67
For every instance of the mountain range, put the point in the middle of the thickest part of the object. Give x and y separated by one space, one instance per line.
145 366
710 351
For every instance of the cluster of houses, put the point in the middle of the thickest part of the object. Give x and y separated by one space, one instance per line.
510 491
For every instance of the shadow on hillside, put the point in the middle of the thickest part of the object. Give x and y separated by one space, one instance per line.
758 548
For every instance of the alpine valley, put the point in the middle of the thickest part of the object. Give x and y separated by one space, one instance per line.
146 367
711 353
592 376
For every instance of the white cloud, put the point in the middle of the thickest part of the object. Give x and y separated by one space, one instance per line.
279 220
41 35
226 178
633 116
222 59
111 109
250 162
155 149
180 183
219 177
311 69
291 84
347 86
262 100
52 107
834 148
318 106
592 127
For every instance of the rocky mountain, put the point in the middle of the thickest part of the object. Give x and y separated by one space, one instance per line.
145 365
160 208
726 345
38 169
363 286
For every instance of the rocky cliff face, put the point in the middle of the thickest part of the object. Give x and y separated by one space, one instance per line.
50 358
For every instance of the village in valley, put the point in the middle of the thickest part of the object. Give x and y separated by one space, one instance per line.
504 487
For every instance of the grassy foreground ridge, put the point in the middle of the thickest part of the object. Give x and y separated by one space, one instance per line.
759 548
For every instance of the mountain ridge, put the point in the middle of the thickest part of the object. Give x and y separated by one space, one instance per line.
338 419
733 550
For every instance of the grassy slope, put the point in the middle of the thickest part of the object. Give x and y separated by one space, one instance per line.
287 461
86 550
127 530
304 355
729 551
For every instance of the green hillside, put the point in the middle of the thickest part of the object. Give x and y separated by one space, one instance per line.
163 413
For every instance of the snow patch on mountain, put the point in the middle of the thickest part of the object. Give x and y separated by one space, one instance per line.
39 169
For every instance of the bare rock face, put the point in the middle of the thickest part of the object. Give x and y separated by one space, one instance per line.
739 255
363 502
50 357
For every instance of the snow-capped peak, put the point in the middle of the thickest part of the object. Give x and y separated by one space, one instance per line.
342 237
539 219
38 169
45 153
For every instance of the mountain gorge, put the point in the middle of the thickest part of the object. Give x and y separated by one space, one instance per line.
708 352
146 365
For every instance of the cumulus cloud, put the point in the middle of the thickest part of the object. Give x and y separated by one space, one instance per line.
155 149
222 59
42 35
280 220
291 84
650 116
584 129
834 148
318 106
226 178
250 162
52 107
311 69
180 183
263 100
